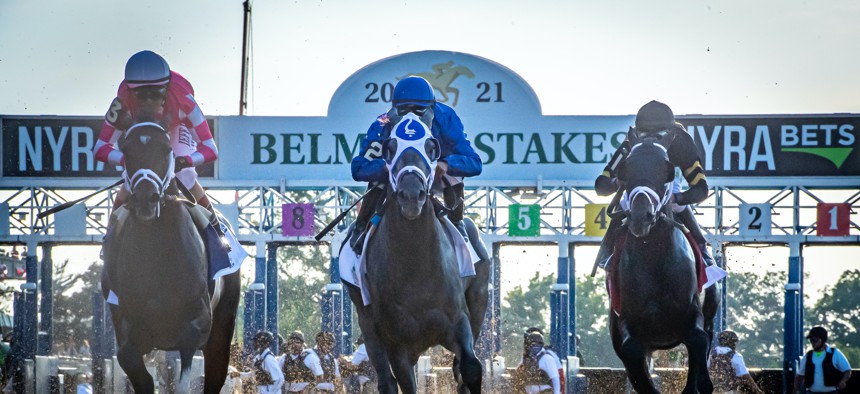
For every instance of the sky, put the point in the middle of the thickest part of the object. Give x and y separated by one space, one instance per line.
581 58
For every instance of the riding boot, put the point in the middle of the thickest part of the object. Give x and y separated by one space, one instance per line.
454 197
689 221
607 246
374 197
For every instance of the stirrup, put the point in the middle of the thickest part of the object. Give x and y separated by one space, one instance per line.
602 262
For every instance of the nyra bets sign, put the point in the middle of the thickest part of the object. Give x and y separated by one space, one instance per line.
502 118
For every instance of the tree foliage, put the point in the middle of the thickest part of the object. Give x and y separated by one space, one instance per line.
839 311
526 307
72 303
592 323
302 276
756 312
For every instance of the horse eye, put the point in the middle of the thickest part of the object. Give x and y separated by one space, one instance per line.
389 149
431 147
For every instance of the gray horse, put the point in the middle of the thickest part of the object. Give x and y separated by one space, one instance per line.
660 306
156 264
418 299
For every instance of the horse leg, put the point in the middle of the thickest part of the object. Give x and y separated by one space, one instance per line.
217 349
189 342
467 369
709 310
698 381
477 292
131 360
632 354
403 371
384 380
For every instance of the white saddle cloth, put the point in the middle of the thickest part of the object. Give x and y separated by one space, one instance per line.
353 267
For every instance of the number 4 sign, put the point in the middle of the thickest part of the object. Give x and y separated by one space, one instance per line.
297 220
833 219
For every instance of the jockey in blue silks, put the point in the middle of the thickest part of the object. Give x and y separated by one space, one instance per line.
415 95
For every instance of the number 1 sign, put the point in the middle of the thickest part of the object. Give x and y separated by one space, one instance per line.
297 220
833 219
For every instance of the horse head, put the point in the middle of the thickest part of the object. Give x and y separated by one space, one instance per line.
647 176
410 155
148 168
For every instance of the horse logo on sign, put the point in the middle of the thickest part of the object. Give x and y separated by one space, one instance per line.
441 78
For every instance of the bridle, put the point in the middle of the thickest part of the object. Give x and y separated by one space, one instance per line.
656 202
145 174
410 138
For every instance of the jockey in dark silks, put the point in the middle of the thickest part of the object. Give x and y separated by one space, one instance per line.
656 120
458 159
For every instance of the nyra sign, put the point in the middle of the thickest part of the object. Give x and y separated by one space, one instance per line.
502 118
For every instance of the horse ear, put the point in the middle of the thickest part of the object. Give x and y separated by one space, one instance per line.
632 136
670 171
389 149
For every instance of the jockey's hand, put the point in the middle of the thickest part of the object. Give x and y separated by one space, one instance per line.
182 162
441 170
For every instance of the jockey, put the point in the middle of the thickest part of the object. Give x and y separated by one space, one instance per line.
458 159
268 375
656 120
152 92
330 366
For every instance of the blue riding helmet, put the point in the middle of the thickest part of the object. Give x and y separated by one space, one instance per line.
413 90
147 68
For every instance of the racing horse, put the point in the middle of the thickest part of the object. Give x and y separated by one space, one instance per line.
417 296
655 275
156 265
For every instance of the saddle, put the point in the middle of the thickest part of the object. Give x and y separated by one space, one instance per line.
614 265
209 226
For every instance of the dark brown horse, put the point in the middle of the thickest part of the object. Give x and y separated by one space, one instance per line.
156 264
417 297
660 304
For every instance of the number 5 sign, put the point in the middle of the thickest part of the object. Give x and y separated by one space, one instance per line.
297 220
524 220
833 219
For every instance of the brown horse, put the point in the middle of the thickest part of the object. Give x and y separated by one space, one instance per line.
156 264
660 304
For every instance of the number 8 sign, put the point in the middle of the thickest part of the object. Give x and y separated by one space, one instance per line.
297 220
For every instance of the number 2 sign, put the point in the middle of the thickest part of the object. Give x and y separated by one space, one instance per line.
833 219
297 220
755 219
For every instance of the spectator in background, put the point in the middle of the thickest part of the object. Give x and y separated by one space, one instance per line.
84 383
331 370
538 373
84 349
824 369
552 353
359 368
301 366
727 369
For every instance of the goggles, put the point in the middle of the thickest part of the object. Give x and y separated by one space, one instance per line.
145 93
416 109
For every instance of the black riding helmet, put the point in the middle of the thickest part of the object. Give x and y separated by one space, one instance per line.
655 120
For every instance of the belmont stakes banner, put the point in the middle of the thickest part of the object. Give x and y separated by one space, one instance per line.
503 120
